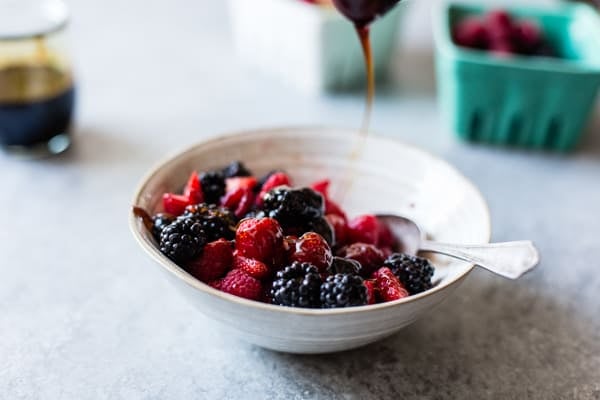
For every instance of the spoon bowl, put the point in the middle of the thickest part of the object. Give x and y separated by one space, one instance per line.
509 259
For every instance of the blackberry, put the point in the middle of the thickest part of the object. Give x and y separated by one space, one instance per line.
213 186
414 272
297 285
217 222
293 206
322 227
343 290
236 168
346 266
159 222
183 239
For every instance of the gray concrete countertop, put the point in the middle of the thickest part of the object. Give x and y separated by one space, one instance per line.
84 314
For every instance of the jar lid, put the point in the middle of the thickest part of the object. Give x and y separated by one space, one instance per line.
26 18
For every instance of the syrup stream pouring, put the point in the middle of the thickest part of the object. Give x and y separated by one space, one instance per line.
509 259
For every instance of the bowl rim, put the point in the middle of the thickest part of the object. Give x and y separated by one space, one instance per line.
187 278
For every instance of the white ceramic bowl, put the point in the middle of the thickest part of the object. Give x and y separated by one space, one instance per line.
390 176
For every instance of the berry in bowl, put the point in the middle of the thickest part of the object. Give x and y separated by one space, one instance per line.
266 241
278 260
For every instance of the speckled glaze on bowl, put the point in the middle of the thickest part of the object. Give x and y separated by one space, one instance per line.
389 177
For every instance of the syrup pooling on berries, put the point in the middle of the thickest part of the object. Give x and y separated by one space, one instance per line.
270 241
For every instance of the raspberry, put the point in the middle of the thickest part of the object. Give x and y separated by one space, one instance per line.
215 261
339 226
236 168
254 268
260 239
364 229
312 248
499 23
346 266
183 239
471 32
369 257
371 295
343 290
414 272
175 204
528 37
297 285
387 285
193 190
213 186
240 284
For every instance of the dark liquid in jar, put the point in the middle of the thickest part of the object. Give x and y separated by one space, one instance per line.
36 104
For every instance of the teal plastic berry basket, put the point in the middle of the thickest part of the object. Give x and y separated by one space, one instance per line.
526 101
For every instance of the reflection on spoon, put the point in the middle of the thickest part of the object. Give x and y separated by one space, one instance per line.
509 259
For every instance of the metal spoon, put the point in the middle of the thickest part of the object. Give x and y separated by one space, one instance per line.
509 259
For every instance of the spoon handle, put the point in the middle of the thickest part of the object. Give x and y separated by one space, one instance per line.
509 259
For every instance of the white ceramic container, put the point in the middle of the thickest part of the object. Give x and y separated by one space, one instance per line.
388 177
308 47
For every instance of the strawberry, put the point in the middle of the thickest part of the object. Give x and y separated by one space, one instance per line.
239 283
232 198
385 238
364 229
260 239
175 204
387 285
371 296
193 190
215 261
243 182
245 204
369 257
239 195
254 268
273 181
312 248
339 226
331 207
322 187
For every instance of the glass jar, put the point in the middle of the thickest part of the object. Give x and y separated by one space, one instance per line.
37 93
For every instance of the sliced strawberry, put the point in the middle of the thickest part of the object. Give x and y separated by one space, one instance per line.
385 238
275 180
245 203
389 288
364 229
233 198
239 182
322 187
175 204
370 285
193 190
